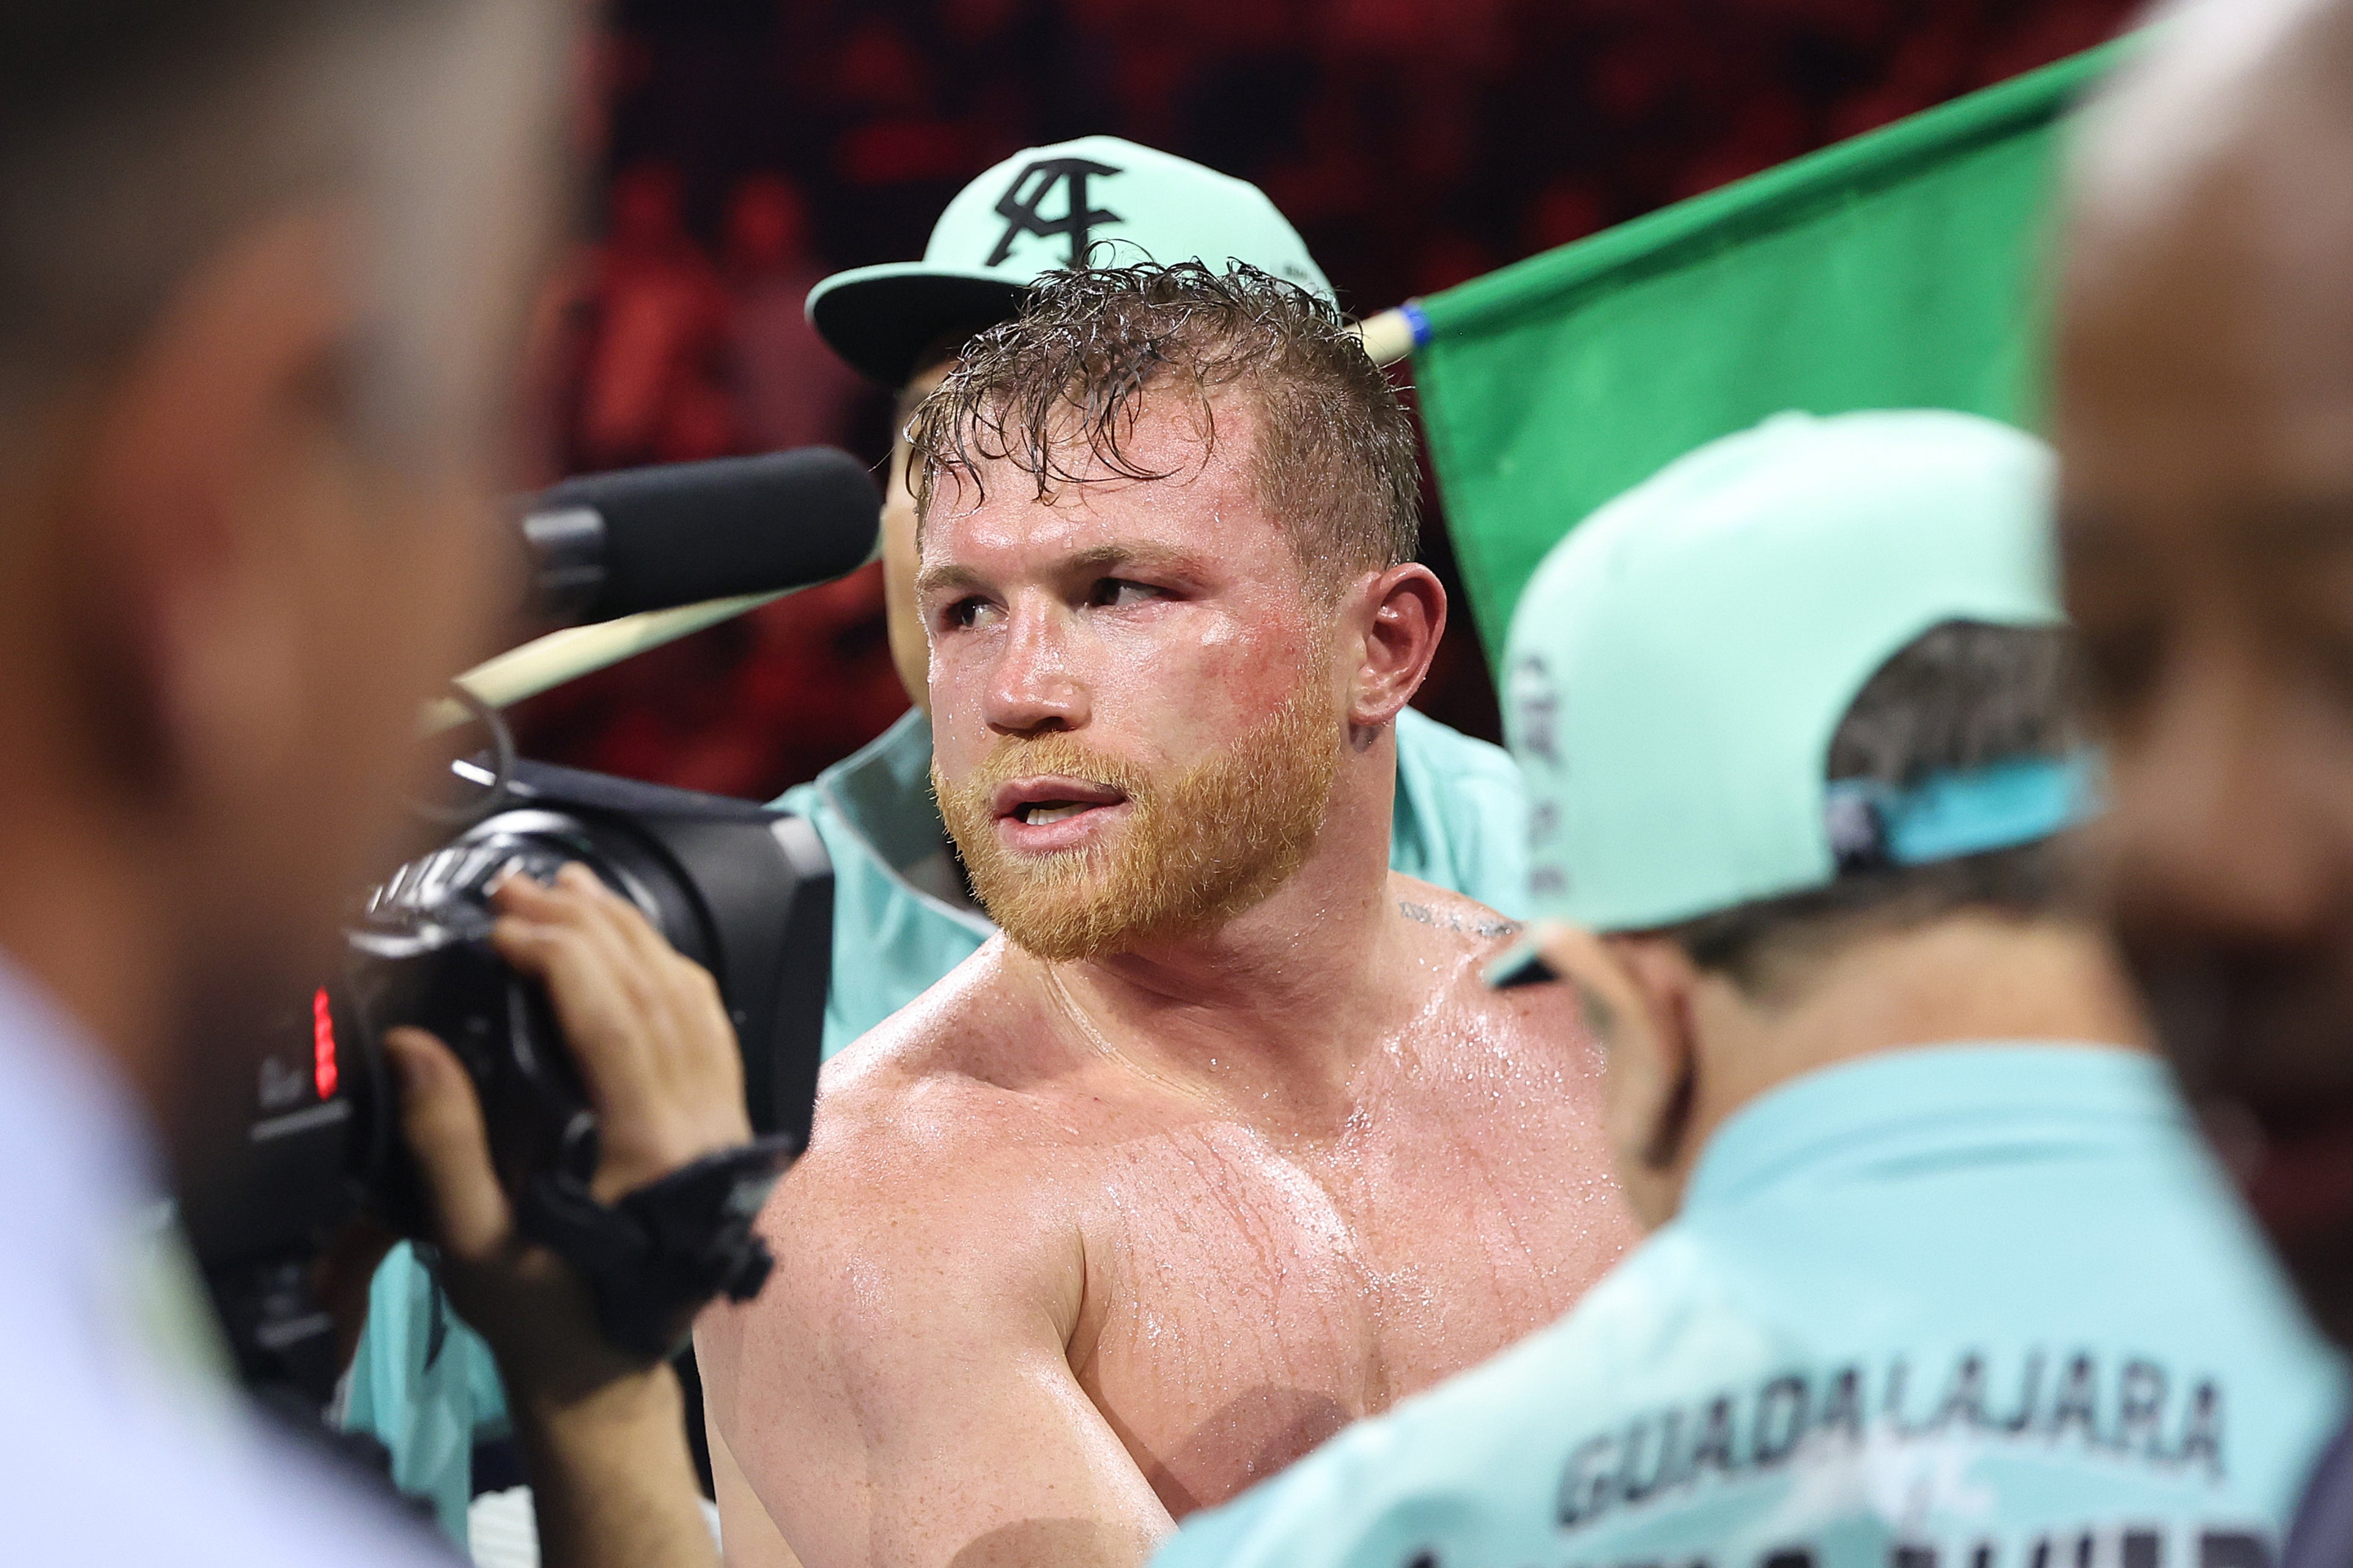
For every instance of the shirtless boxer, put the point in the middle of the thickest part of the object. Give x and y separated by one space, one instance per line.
1223 1142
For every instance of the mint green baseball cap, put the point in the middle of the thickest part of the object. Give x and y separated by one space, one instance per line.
1678 666
1044 208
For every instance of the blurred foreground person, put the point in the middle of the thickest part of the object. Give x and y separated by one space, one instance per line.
263 266
903 916
1222 1142
2205 417
1942 1270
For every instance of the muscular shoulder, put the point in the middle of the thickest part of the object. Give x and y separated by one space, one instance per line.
929 1121
1454 935
1457 937
921 1187
1472 926
952 1063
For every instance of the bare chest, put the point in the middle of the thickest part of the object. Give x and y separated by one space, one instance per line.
1245 1301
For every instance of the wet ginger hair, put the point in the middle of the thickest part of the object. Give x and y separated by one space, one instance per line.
1056 390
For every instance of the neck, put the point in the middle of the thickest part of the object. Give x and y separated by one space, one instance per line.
1971 977
1277 1004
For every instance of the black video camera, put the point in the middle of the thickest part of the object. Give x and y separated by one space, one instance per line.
744 890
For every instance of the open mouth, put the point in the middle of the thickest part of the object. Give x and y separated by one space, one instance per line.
1036 812
1033 805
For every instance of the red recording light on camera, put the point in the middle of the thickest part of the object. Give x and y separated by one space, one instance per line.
322 1044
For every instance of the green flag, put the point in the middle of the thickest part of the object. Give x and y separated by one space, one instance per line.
1901 269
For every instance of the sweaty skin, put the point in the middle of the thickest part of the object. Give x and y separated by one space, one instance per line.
1081 1247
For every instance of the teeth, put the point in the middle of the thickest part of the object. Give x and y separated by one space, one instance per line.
1039 813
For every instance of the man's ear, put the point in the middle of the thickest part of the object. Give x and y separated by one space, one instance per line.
1405 614
215 433
1636 993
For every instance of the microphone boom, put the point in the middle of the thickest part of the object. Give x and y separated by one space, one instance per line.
645 556
609 545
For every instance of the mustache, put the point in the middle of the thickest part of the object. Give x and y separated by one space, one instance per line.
1204 840
1056 751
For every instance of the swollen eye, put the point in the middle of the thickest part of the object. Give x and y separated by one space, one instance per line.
1115 591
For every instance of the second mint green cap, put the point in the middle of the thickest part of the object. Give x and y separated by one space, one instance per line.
1097 200
1679 664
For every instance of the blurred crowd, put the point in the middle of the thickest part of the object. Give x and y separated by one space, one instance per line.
757 145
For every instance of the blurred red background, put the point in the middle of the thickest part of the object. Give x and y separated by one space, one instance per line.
749 147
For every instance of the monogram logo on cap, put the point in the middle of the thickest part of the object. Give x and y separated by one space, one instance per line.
1020 204
1537 706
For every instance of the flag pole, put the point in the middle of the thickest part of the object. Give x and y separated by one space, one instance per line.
547 662
1395 333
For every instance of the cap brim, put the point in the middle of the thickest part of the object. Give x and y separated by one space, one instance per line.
1522 964
879 318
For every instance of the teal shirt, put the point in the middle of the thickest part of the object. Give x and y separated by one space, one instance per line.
1975 1307
900 922
425 1383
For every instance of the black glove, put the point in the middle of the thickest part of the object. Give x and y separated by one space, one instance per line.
658 1257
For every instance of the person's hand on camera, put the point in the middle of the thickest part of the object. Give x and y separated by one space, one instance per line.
658 1058
601 1431
646 1024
